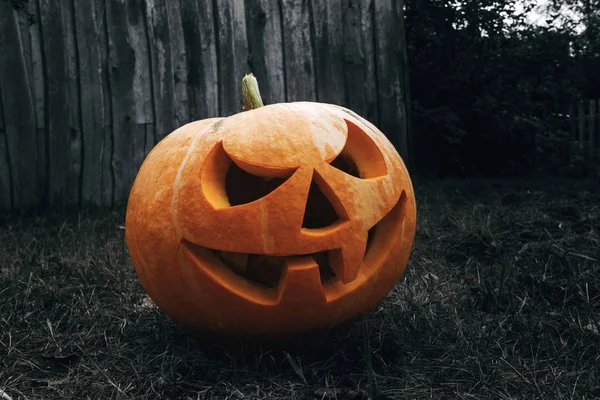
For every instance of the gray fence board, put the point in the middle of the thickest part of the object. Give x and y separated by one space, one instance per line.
89 88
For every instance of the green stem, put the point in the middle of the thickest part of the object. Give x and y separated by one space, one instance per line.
250 93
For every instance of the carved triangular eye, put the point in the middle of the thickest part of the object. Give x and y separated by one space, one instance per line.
344 162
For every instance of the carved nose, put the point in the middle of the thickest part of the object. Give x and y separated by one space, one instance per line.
319 211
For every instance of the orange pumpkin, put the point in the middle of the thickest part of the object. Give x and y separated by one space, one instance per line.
282 219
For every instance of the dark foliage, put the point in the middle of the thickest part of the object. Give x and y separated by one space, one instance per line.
491 96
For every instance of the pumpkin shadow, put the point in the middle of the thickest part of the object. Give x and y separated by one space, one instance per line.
338 350
318 343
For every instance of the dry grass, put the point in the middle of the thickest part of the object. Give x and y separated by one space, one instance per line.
501 300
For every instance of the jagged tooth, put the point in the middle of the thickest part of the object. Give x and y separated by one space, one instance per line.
301 283
347 260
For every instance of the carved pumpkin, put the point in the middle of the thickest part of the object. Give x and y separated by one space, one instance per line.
282 219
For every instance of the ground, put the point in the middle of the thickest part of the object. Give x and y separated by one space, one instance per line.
500 300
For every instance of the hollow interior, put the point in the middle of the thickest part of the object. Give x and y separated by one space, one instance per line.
370 236
381 235
266 271
344 163
319 212
242 187
362 154
323 260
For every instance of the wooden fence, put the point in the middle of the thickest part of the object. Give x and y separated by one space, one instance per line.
88 88
585 128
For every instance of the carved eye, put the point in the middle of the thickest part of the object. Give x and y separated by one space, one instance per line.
360 157
243 187
225 184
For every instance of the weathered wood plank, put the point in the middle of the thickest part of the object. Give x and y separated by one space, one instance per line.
298 53
37 70
201 54
63 103
179 64
143 90
263 23
107 179
390 98
367 15
405 100
159 39
23 22
38 93
93 113
359 59
5 166
329 51
169 66
354 57
19 122
130 88
232 54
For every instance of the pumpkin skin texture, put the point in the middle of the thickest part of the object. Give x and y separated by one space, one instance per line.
284 219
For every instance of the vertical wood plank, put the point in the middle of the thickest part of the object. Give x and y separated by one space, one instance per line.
38 92
405 99
130 88
355 57
179 62
592 130
143 94
88 27
5 167
360 75
62 104
263 23
201 55
232 54
298 53
329 51
390 98
159 40
367 17
23 22
107 179
19 122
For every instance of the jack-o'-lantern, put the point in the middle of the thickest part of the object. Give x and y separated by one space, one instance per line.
281 219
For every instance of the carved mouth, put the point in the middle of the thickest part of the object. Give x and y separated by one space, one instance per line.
305 278
266 271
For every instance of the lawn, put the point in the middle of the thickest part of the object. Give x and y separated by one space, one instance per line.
501 300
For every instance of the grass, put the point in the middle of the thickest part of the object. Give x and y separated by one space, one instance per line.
501 300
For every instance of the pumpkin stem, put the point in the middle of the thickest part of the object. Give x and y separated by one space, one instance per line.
250 93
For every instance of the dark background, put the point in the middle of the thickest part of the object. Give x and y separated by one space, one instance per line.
493 98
